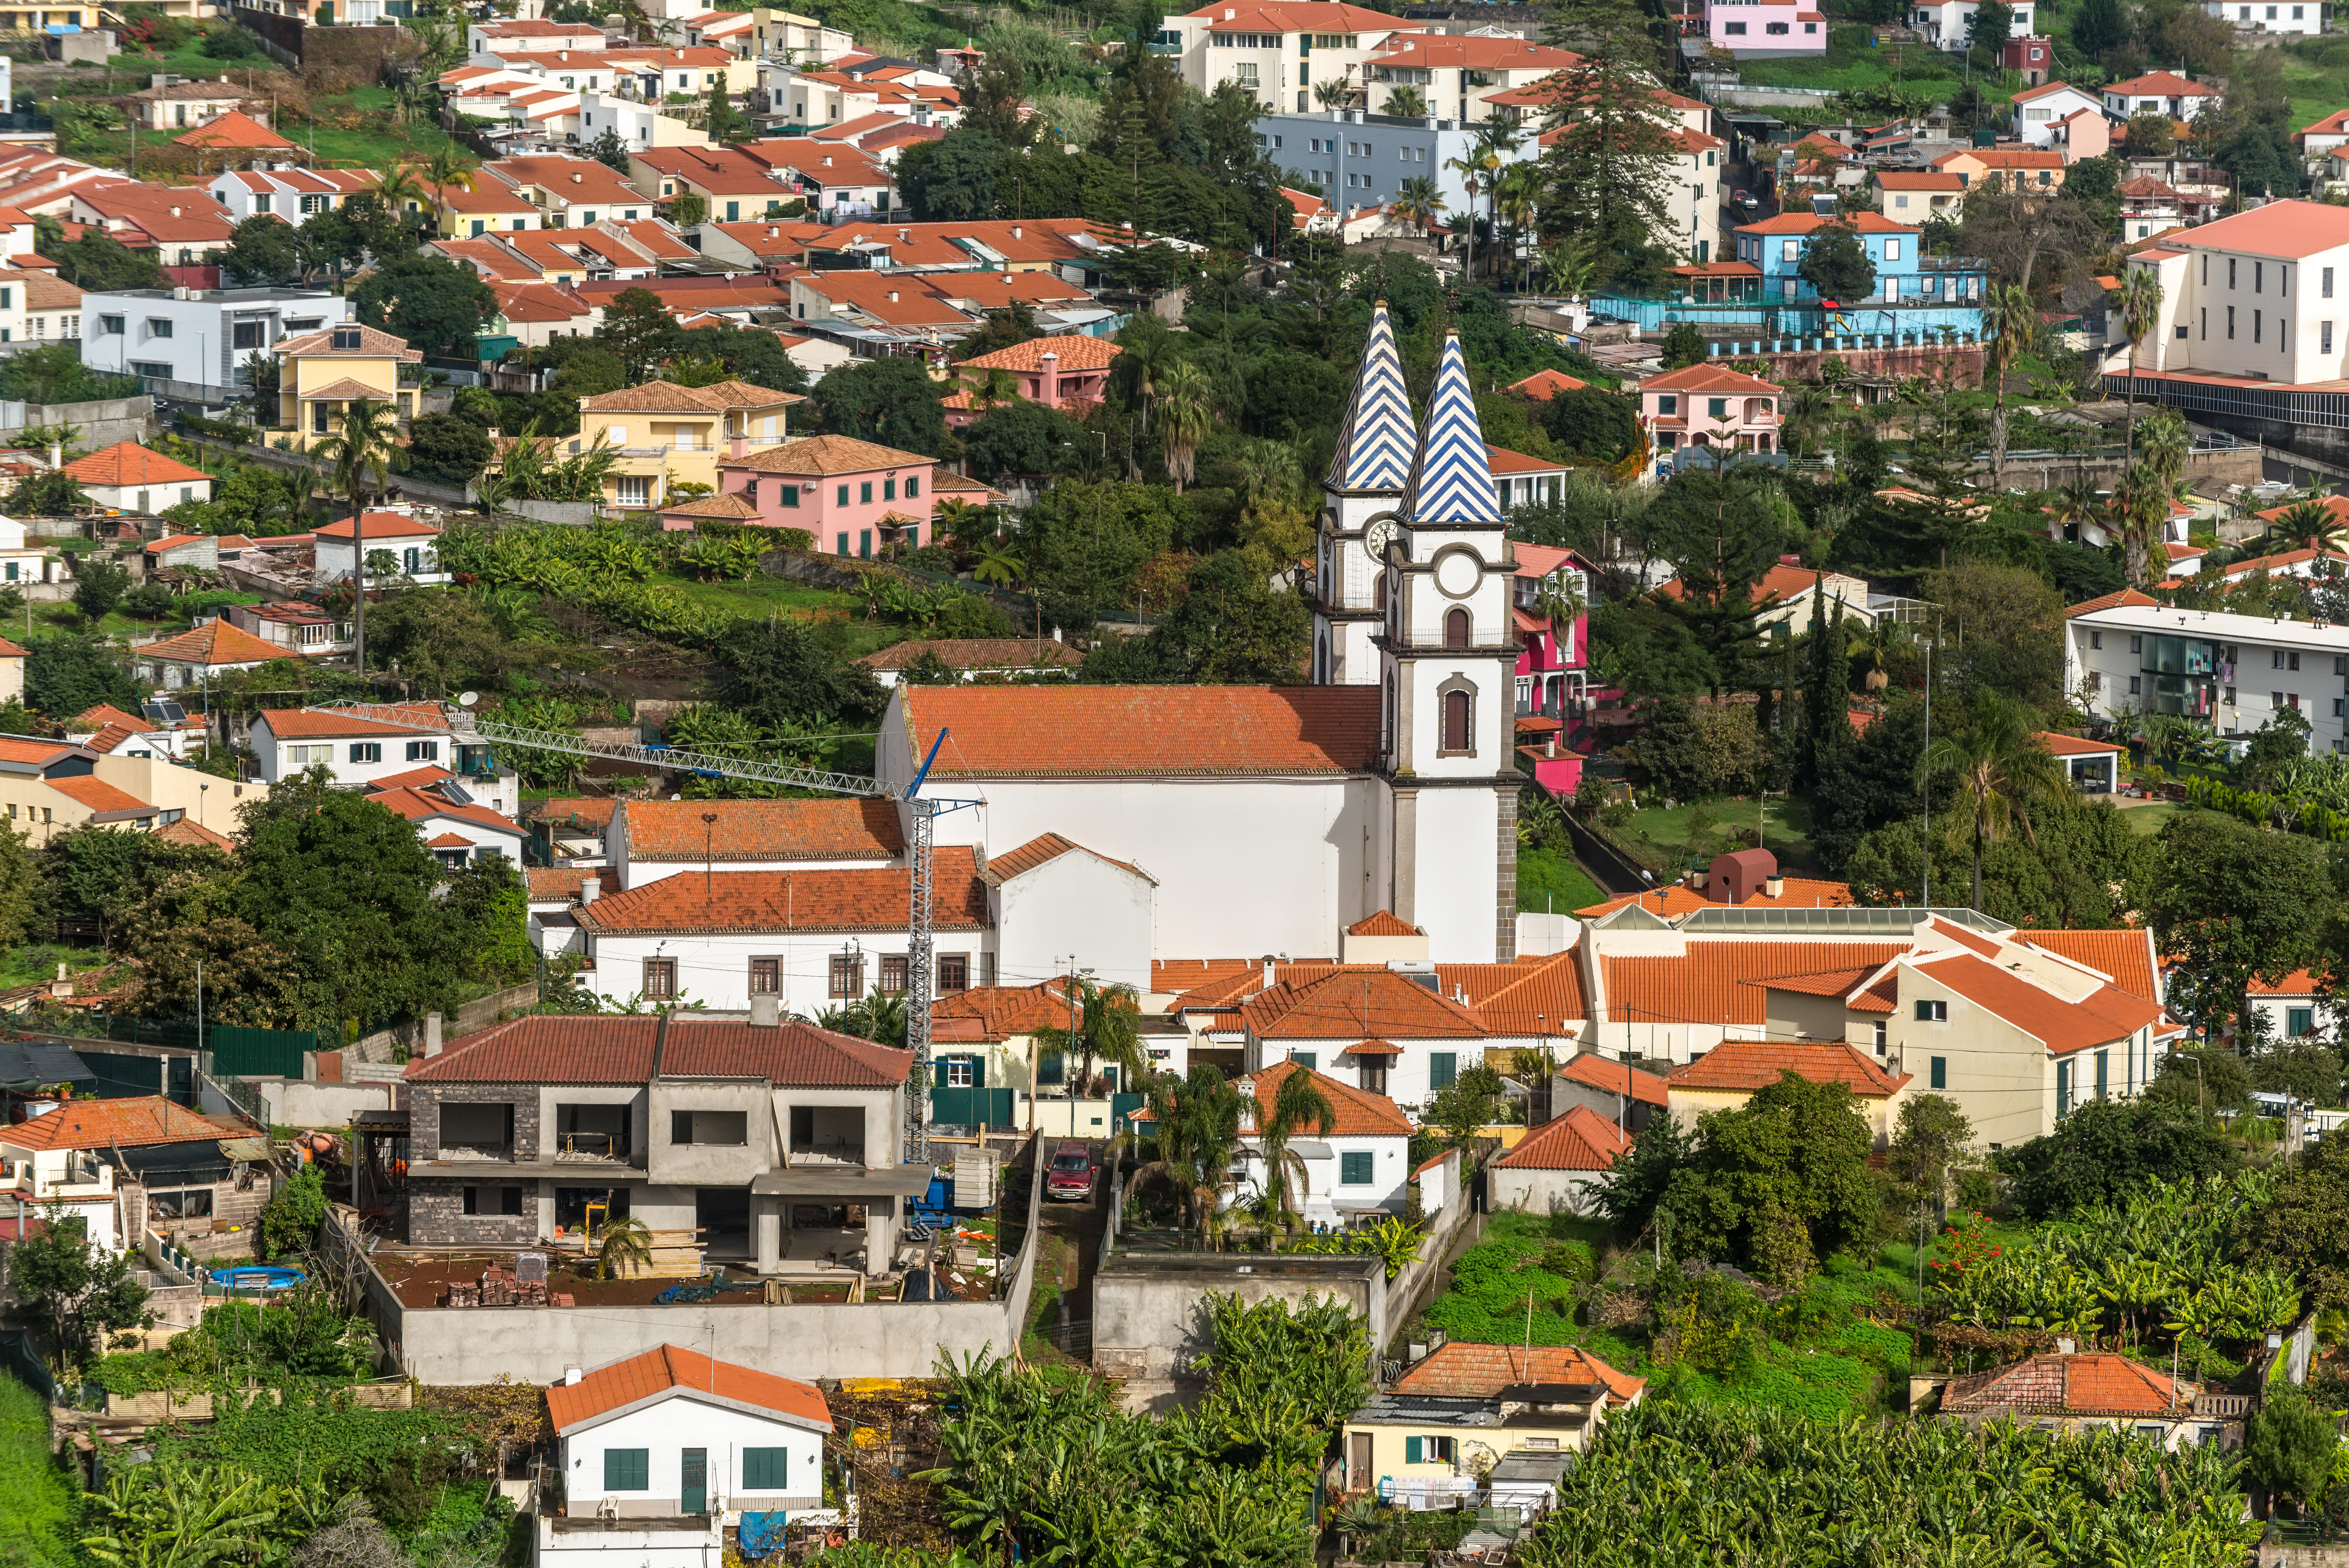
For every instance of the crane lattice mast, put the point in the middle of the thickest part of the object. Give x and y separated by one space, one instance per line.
462 725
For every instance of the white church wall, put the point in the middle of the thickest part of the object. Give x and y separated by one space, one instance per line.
1459 867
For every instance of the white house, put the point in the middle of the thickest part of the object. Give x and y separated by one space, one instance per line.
456 830
1944 21
2293 1008
2162 93
1051 897
1554 1167
414 546
817 939
2040 110
660 1451
366 753
24 562
128 477
1360 1164
197 336
2295 17
1281 53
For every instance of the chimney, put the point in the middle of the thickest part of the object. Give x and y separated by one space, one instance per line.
892 297
1268 971
1051 384
767 1011
175 211
1015 231
571 1375
577 177
431 1034
1549 745
735 451
2066 1346
1774 887
590 890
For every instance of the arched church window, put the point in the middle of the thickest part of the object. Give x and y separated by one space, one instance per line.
1456 717
1455 629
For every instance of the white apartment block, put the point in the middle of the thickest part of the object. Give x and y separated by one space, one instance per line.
1281 52
200 336
2232 672
2306 19
2263 294
1945 23
2038 112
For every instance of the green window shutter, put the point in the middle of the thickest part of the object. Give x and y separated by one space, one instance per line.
1354 1168
627 1470
1443 1067
2063 1087
766 1469
1940 1069
1411 1446
2101 1067
941 1066
978 1072
1308 1060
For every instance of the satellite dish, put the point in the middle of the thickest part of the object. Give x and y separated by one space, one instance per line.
468 698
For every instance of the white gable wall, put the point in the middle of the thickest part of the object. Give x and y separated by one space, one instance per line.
664 1430
1079 904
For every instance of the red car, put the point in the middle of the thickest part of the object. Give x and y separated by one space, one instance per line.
1071 1175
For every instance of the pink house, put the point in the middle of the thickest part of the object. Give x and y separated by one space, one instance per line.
1053 371
854 497
1760 29
1552 671
1709 405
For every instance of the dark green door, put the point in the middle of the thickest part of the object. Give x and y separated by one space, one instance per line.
694 1484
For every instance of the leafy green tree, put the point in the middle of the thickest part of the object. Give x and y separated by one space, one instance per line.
1684 346
49 494
720 120
2304 1225
97 261
1991 24
891 400
778 671
2000 773
2106 1149
2001 629
1934 1140
1608 170
2290 1446
2231 902
449 443
1796 1152
1834 262
1592 422
98 586
289 1221
2097 27
953 181
1228 627
76 1289
1638 1185
1024 438
260 251
436 305
638 329
66 673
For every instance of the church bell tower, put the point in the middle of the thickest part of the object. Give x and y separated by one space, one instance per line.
1364 485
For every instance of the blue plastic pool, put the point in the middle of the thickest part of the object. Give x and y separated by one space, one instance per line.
257 1276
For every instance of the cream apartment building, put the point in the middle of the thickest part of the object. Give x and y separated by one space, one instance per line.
2263 294
1281 52
668 435
2233 672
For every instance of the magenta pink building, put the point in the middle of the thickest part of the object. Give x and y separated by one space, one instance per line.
1553 670
1057 372
1755 30
853 497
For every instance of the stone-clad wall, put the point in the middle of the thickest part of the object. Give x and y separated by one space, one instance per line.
425 1100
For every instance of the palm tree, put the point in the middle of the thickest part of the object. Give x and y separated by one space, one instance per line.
1418 200
627 1248
2306 524
988 387
966 523
2078 502
1147 354
1187 409
1196 1120
1566 269
401 185
1298 1104
999 565
358 453
2012 323
2140 509
449 168
1496 139
1408 102
2141 300
2168 444
1517 197
1101 1027
1559 600
2002 771
1334 93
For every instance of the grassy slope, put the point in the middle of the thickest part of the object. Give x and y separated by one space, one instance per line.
1787 829
1849 63
35 1502
2148 818
1550 881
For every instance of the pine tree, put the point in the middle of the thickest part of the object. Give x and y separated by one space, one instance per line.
1610 174
722 121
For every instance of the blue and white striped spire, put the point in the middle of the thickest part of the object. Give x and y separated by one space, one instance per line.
1450 477
1374 441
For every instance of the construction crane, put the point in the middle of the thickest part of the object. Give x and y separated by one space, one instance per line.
463 726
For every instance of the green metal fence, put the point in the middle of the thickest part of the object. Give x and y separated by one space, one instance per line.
971 1106
236 1052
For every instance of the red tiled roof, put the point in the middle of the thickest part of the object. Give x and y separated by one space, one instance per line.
1460 1370
1973 941
2064 744
414 779
551 884
188 830
381 525
1099 731
306 723
234 129
106 713
423 806
1546 383
1799 893
1076 353
2094 1383
1590 1067
1001 1012
1385 923
1354 1112
1758 1064
129 463
1582 1139
855 899
117 1124
670 1369
1041 850
856 829
100 796
619 1050
587 811
2125 598
1532 997
2299 982
2104 1016
1356 1004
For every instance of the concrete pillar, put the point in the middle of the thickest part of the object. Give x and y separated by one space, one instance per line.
880 1240
545 1206
431 1034
766 1232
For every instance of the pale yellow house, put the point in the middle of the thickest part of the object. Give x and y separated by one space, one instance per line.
1727 1076
321 374
1455 1415
668 435
49 786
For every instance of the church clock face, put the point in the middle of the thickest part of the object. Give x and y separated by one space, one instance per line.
1376 538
